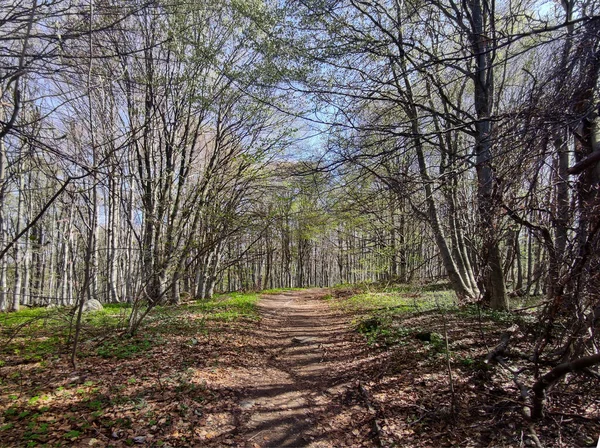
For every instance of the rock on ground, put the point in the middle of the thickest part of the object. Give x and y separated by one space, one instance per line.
92 305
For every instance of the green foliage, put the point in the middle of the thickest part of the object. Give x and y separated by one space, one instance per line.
72 434
474 364
435 342
231 306
383 305
11 411
178 320
33 349
35 432
402 298
95 405
467 362
379 330
23 316
124 348
114 315
33 400
39 333
501 317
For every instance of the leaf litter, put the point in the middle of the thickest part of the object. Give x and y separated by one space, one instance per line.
299 376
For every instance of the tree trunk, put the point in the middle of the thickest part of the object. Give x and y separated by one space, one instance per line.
486 181
3 228
16 251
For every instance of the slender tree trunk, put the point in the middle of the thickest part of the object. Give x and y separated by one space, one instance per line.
3 229
16 251
25 288
519 281
462 289
456 279
111 244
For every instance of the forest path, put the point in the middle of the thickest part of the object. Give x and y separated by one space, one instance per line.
297 398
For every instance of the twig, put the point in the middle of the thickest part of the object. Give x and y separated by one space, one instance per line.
373 411
384 367
480 326
449 369
20 327
257 434
591 373
524 390
553 376
530 307
496 355
534 437
574 416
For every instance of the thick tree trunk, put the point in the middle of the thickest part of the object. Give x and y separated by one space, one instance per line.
486 181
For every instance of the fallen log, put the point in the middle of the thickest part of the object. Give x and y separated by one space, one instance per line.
502 346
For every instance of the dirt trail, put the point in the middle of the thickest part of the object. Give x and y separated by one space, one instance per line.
298 377
294 399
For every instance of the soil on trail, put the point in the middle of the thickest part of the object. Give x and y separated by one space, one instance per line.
309 349
296 397
287 379
300 376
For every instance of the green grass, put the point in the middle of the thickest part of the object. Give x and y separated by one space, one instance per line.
24 316
114 315
380 310
501 317
123 348
189 319
37 334
32 333
402 299
50 320
231 306
379 330
73 434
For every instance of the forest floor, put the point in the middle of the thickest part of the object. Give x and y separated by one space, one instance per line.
302 368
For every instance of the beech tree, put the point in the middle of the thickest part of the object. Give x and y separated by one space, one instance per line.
434 80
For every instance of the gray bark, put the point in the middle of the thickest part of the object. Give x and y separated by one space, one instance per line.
484 91
3 236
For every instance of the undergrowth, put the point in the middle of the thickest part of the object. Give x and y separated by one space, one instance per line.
34 341
385 314
41 334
